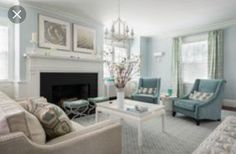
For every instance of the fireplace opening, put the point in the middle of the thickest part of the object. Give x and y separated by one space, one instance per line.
60 93
57 87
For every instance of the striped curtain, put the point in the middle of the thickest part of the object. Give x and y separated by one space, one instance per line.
215 54
176 67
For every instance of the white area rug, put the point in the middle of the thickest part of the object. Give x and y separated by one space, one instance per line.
182 137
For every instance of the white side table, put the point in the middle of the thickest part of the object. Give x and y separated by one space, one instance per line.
167 101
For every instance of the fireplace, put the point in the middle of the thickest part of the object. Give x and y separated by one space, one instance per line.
61 86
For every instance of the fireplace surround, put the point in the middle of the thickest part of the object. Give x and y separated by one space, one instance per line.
58 86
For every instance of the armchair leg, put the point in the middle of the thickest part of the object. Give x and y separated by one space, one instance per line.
173 113
197 122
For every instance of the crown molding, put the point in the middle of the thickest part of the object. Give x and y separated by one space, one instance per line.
84 19
199 29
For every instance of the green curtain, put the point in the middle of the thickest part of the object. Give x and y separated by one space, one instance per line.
215 54
176 66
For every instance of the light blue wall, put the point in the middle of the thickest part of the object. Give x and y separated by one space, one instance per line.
230 62
31 25
163 68
145 49
3 12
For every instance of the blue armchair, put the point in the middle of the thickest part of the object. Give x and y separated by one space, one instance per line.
148 83
199 110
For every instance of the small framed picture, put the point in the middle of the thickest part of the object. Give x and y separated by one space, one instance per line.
84 39
54 33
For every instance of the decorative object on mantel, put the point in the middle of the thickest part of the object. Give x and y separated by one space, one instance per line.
122 72
34 41
119 32
54 33
84 39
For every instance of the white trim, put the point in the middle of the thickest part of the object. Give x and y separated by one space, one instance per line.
84 19
199 29
229 103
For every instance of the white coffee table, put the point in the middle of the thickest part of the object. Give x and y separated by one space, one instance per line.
154 110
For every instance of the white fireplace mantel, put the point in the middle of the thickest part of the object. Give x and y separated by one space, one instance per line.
41 62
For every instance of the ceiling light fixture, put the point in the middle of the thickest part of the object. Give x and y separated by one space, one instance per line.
119 31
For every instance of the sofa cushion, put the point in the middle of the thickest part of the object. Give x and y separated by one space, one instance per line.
4 129
186 104
208 86
19 120
83 131
54 121
221 140
200 96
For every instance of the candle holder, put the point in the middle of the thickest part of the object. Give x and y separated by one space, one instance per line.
34 42
33 46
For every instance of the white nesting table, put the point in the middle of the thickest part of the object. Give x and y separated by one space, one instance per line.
112 109
167 101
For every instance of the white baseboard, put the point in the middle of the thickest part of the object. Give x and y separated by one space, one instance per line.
229 103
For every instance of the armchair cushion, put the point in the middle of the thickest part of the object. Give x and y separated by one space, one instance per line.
144 97
208 86
187 104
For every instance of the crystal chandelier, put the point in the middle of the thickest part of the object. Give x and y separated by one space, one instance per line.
119 31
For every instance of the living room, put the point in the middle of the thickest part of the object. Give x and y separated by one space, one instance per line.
116 76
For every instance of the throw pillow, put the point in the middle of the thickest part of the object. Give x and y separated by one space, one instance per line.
149 91
53 119
19 120
200 96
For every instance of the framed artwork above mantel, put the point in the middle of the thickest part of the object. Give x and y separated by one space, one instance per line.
54 33
84 39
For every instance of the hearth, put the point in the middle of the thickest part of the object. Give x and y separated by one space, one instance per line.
57 87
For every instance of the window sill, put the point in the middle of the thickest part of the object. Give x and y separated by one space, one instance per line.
6 81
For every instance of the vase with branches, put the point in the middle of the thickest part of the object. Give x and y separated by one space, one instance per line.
122 72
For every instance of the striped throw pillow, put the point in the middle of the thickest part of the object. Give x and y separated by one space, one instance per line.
148 91
200 96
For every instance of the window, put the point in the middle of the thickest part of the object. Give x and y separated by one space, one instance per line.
119 54
195 61
4 53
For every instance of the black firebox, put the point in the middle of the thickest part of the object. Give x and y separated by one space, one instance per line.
57 87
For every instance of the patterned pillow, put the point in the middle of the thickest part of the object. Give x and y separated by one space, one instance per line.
200 96
53 119
149 91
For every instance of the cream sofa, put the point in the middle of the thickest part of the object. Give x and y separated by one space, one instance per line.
101 138
222 140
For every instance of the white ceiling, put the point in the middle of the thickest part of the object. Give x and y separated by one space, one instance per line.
150 17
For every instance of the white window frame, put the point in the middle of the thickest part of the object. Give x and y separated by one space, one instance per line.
192 39
11 47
